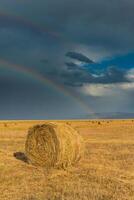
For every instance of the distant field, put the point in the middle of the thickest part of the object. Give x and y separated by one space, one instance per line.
105 173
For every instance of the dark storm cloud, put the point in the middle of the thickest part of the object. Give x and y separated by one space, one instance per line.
79 57
79 77
22 45
32 49
107 24
23 98
101 23
71 65
104 23
106 27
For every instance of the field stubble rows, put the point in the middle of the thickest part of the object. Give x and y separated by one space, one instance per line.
105 173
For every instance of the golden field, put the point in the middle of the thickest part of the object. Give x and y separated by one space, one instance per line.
105 173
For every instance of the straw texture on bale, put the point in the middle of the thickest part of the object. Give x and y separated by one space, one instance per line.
53 145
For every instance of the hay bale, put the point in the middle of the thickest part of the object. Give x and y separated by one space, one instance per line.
53 145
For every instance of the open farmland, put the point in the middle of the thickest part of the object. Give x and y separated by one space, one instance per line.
105 173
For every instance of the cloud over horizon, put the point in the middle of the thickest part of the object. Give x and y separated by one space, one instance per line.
87 48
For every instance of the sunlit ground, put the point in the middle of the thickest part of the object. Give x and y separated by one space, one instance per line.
105 173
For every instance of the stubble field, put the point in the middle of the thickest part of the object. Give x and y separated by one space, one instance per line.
105 173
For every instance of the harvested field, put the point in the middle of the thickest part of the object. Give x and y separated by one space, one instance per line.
105 173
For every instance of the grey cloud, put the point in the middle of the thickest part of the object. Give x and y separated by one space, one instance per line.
81 25
79 57
44 60
23 98
104 23
78 77
73 66
27 49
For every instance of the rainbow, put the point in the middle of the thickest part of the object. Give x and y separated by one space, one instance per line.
29 24
46 81
35 75
34 26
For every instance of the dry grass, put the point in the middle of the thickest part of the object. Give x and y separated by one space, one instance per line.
105 173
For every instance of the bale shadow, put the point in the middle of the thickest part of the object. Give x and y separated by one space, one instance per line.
21 156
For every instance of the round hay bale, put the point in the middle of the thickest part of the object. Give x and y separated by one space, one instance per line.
53 145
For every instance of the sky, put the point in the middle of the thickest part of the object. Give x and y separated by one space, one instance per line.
66 58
